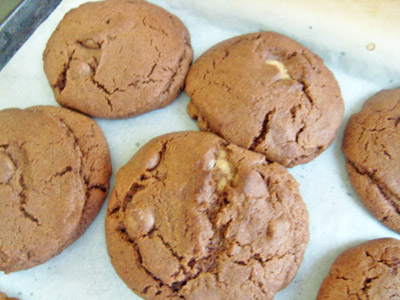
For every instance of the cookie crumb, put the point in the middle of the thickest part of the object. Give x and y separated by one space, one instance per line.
371 46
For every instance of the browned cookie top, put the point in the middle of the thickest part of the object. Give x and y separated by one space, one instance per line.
371 146
54 177
117 58
265 92
370 271
194 217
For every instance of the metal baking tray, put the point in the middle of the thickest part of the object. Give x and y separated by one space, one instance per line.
18 20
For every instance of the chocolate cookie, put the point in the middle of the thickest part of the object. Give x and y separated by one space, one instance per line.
368 271
194 217
4 297
371 148
54 176
267 93
117 58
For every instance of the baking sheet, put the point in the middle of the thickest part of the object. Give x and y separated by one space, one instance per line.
18 19
338 219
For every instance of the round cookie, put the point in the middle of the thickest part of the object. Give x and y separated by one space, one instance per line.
368 271
372 153
117 58
194 217
267 93
54 177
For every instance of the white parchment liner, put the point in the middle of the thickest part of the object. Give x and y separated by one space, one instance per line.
337 30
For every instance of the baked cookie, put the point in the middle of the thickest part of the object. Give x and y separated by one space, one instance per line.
194 217
373 157
4 297
117 58
267 93
368 271
54 177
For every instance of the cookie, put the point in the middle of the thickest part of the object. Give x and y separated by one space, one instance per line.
54 177
195 217
267 93
368 271
117 58
4 297
370 145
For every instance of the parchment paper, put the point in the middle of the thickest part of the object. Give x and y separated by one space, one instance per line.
336 30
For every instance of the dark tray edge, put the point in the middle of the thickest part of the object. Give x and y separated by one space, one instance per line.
20 25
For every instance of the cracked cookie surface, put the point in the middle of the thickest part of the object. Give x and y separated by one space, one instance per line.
370 271
195 217
54 177
267 93
371 148
117 58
